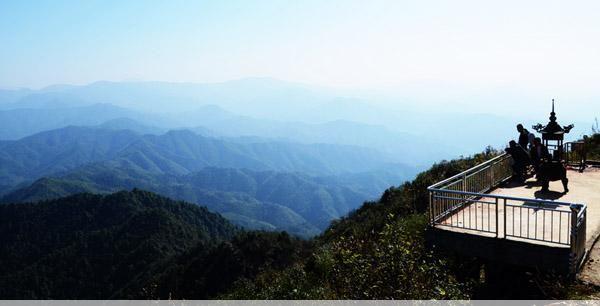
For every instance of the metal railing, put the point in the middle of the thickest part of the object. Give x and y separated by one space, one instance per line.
575 154
469 184
462 202
539 223
578 237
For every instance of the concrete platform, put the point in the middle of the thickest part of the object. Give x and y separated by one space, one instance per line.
530 220
547 225
529 233
584 188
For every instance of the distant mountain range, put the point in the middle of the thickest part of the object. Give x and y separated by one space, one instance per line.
257 200
109 136
266 154
257 97
211 120
265 184
272 108
122 190
175 152
22 122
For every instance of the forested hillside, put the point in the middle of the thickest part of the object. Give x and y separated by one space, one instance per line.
275 150
379 252
376 252
593 147
137 244
268 200
91 246
256 183
175 152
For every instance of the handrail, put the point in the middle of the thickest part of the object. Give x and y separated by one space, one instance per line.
540 201
462 202
575 154
457 201
472 169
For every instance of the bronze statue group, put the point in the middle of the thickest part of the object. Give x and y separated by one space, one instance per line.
530 154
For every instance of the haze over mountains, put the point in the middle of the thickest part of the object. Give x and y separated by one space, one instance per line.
265 184
255 107
272 150
264 153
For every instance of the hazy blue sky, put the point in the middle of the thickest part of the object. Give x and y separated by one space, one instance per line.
542 45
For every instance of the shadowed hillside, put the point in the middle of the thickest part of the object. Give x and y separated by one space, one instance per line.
257 184
90 246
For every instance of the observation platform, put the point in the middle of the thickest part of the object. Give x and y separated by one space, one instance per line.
481 213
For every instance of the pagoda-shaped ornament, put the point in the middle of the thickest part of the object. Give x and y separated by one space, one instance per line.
553 134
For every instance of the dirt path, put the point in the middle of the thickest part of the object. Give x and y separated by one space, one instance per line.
590 273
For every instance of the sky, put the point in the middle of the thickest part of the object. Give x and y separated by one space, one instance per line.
456 47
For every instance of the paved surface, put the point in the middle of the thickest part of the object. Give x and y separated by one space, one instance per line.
529 220
548 225
584 188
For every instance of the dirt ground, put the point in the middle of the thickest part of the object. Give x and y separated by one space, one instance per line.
591 270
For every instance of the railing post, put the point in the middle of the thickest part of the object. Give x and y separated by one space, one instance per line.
574 213
575 241
431 215
492 180
497 228
504 218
